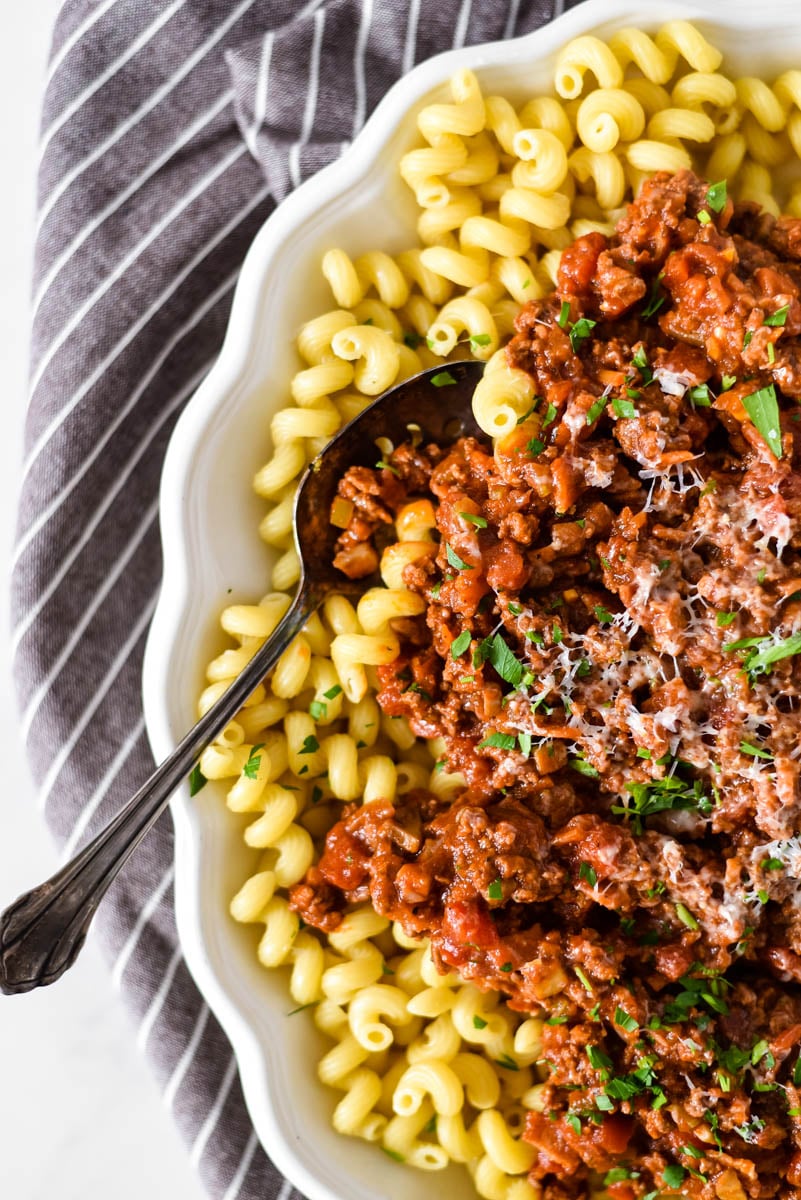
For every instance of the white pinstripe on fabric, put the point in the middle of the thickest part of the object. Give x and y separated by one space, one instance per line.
120 659
182 1066
558 8
122 197
286 1191
213 1115
114 276
87 616
312 91
90 526
71 42
111 70
462 22
49 511
131 122
157 1003
138 325
410 43
234 1187
511 20
101 791
360 108
145 913
262 88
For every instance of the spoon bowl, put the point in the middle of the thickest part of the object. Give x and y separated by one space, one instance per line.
434 405
42 932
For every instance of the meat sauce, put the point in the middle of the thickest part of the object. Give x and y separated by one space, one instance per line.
611 651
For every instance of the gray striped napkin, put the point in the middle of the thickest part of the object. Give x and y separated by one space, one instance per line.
170 128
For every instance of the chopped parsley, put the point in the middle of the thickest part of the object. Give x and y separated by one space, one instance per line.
443 379
251 767
763 409
479 522
602 614
333 692
564 315
661 795
495 890
779 317
500 741
454 560
763 652
624 1020
755 751
197 780
535 446
686 917
412 340
587 873
582 766
318 709
495 651
704 217
725 618
595 409
461 643
479 1022
310 745
506 1062
716 196
728 381
382 465
674 1175
640 361
623 408
580 331
656 298
699 396
479 339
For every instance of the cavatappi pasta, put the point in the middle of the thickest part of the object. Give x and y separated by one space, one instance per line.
429 1068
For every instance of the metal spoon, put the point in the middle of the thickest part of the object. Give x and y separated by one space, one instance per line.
43 931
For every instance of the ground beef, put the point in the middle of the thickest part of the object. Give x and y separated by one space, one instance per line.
611 652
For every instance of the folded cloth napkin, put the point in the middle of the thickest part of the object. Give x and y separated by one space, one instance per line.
170 130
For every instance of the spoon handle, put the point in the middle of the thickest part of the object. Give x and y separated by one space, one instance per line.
42 932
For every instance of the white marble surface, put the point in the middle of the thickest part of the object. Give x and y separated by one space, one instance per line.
80 1115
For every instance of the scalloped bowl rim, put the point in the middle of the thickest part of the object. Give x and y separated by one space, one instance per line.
167 692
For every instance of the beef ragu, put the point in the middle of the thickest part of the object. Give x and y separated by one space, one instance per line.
611 650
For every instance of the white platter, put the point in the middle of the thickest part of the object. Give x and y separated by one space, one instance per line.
213 555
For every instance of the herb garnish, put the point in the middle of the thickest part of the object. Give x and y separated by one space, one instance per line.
763 652
763 409
716 195
479 522
443 379
661 795
460 643
251 767
479 339
580 331
587 873
501 741
779 317
197 780
595 409
454 560
656 298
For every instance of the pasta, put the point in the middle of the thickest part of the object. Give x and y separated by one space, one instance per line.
430 1067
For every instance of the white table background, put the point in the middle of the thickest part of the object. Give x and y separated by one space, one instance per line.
80 1116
